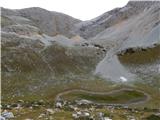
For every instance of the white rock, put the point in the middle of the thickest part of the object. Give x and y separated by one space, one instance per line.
18 106
41 115
21 101
107 118
2 118
75 108
7 114
74 115
123 79
59 105
86 114
50 111
79 113
158 114
8 106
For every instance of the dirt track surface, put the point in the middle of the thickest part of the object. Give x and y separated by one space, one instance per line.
138 101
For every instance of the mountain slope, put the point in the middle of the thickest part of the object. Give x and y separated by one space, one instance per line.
136 32
48 51
91 28
50 23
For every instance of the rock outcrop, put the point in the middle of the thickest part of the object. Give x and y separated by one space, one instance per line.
91 28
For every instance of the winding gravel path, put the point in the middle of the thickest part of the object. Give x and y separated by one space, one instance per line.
140 101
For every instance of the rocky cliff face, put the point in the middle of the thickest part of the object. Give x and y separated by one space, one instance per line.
137 29
91 28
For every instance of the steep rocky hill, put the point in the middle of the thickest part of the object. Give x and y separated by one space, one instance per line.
91 28
50 23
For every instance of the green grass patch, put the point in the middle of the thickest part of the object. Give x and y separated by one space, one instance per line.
120 97
145 56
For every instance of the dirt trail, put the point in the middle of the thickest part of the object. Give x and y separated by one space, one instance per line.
140 101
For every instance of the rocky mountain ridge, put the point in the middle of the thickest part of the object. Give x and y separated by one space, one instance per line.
91 28
50 23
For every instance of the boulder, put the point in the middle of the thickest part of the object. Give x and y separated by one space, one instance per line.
50 111
7 114
58 105
2 118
